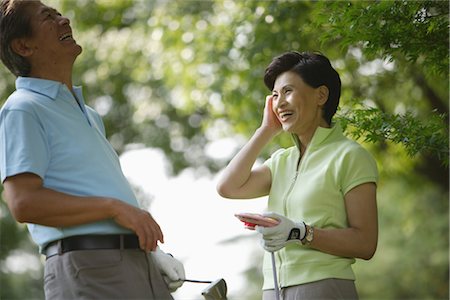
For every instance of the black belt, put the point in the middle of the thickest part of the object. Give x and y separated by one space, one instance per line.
91 242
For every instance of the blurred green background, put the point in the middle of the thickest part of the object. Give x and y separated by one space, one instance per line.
177 75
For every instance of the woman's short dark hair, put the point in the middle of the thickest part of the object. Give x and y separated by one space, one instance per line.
315 70
14 23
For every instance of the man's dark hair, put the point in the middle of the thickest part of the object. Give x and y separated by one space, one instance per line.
314 69
14 23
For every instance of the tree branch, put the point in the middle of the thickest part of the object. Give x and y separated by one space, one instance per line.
435 101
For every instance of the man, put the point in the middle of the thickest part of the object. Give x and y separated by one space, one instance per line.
62 177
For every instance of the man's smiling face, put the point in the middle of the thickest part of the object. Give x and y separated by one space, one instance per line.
51 41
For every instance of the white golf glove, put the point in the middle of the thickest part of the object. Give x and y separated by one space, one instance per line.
274 238
171 269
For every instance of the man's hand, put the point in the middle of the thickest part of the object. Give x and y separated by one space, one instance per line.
141 222
171 269
274 238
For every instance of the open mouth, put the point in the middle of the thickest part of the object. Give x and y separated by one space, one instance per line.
285 115
66 36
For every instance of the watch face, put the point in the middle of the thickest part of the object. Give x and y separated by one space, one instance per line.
294 234
310 235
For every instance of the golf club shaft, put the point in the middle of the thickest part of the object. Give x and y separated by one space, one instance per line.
275 280
197 281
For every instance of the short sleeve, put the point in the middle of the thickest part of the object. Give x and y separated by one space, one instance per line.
23 144
358 167
270 161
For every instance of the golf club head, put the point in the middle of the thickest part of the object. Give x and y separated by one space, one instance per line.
217 290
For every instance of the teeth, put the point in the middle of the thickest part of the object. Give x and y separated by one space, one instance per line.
285 114
65 36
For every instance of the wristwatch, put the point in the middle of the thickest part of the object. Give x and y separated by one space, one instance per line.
309 236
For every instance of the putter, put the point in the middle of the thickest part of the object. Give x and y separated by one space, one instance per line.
216 290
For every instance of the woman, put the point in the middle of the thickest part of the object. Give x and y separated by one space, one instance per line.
322 190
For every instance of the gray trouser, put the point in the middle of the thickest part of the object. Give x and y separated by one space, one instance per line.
103 274
339 289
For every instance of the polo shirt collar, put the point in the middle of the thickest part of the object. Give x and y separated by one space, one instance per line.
320 135
49 88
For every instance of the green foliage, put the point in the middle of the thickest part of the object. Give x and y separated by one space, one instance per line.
412 253
416 136
178 75
12 238
169 80
12 286
415 30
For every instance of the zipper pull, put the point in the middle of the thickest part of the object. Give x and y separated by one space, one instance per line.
295 177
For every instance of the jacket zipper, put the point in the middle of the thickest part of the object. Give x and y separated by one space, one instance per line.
291 187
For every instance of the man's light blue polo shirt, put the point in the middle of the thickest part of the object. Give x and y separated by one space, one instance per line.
43 130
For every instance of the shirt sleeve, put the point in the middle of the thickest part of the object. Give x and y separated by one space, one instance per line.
23 145
358 167
270 161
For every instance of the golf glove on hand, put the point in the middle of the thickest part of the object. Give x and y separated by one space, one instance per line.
274 238
171 269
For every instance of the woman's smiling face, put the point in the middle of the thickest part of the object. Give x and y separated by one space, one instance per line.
297 105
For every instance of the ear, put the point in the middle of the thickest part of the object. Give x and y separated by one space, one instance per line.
21 47
322 94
